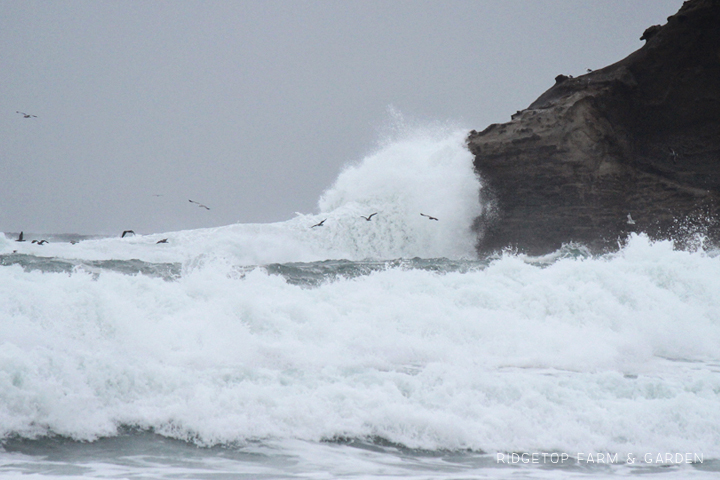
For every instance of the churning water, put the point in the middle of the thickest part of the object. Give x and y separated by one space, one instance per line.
358 349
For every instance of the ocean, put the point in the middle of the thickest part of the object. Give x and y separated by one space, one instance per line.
359 349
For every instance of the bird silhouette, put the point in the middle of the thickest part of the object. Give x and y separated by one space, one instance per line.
164 240
41 242
20 238
26 115
127 232
319 224
630 220
199 205
369 216
429 217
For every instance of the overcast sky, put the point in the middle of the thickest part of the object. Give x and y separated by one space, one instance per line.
253 107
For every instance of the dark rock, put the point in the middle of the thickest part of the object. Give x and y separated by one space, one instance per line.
639 137
650 32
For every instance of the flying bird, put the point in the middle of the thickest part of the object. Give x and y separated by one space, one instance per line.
164 240
673 155
20 238
127 232
26 115
369 216
630 220
199 205
319 224
429 217
41 242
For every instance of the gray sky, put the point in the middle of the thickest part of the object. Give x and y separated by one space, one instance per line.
253 107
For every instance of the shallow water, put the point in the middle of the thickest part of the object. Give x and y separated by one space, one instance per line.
145 455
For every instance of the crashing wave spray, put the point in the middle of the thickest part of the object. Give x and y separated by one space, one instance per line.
419 170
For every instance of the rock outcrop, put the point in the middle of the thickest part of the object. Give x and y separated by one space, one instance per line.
640 137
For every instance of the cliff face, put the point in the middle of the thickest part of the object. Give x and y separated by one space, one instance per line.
639 137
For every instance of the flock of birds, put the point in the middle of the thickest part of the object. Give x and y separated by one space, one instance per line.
21 237
125 233
200 205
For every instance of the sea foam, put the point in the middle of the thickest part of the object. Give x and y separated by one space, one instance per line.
616 353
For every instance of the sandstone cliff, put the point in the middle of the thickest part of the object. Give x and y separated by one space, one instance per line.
639 137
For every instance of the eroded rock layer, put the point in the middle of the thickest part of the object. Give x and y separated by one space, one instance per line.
640 137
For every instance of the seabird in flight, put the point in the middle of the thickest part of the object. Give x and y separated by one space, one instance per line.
20 238
369 216
630 220
164 240
127 232
41 242
26 115
429 217
673 155
199 205
319 224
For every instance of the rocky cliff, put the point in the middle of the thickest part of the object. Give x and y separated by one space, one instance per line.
640 137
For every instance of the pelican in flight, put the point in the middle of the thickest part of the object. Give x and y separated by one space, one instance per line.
369 216
20 238
319 224
164 240
41 242
127 232
429 217
199 204
630 220
26 115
